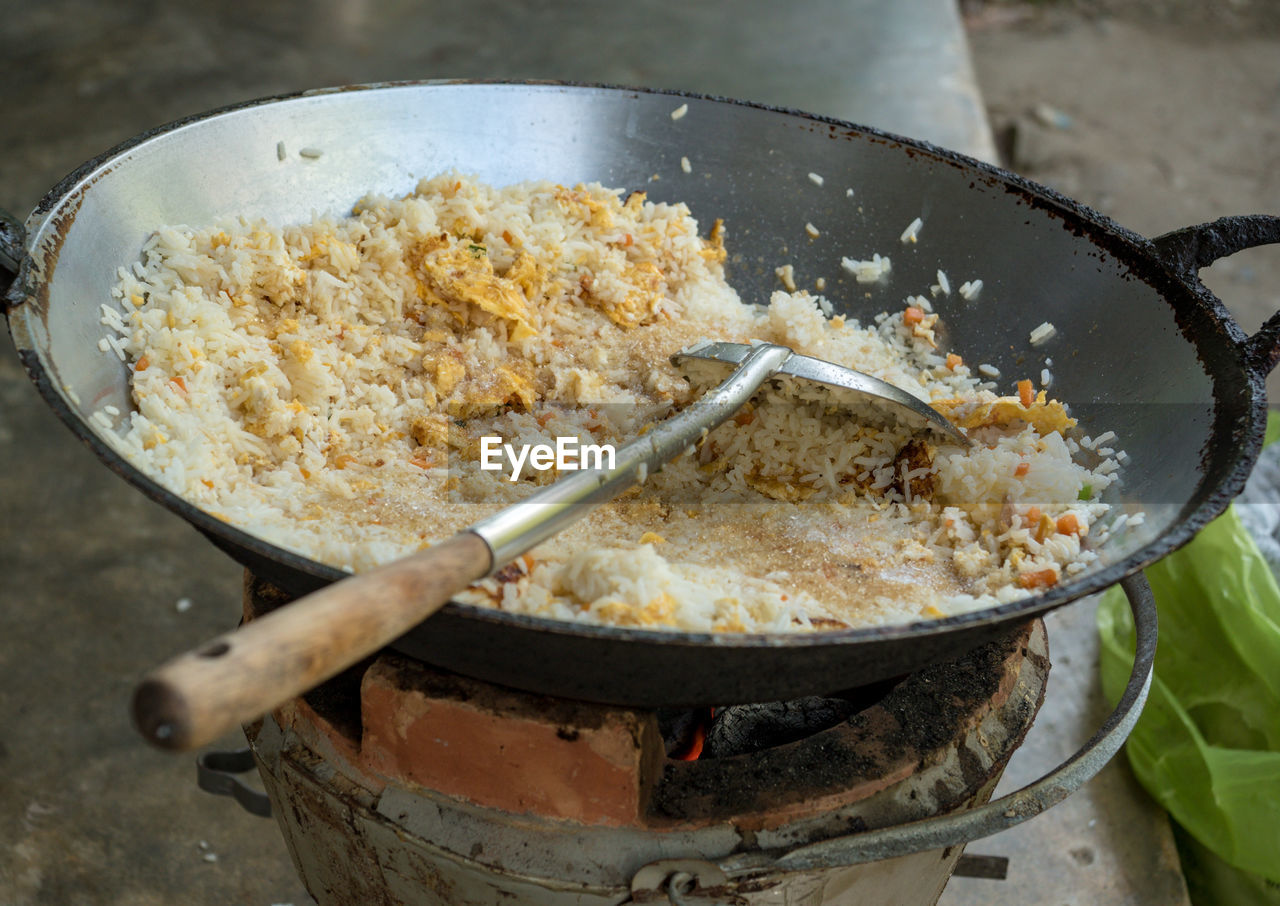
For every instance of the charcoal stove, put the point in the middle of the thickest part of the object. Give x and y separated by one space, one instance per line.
396 782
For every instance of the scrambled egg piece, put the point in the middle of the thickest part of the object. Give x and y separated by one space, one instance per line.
635 302
526 273
462 273
430 430
1045 415
506 385
578 202
661 611
449 371
787 491
714 250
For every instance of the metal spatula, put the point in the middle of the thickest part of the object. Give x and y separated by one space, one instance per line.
713 361
241 675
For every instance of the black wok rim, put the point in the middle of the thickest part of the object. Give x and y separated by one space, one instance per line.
1243 431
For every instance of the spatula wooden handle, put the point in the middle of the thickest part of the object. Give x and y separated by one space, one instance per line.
239 676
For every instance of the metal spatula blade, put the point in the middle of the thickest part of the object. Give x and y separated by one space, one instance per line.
710 361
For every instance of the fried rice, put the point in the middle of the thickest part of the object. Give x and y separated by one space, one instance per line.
326 386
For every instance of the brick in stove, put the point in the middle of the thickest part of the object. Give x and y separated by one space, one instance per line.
504 749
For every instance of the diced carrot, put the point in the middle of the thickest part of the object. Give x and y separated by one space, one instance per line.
1033 515
179 383
744 418
1045 578
207 483
627 240
507 237
912 315
142 364
954 361
1068 524
1026 395
1023 469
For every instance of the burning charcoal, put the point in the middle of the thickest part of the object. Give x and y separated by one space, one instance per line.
683 731
739 729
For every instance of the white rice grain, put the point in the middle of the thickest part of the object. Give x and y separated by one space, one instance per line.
912 232
868 270
679 112
1043 333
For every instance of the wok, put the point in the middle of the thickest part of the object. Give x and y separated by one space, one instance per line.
1142 346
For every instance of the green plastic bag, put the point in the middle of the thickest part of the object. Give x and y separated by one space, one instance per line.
1207 746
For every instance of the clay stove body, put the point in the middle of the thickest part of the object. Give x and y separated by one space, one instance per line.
399 783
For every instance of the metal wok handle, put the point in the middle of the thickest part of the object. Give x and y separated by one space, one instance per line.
1187 250
962 827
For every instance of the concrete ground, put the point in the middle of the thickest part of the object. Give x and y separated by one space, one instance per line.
95 576
1159 113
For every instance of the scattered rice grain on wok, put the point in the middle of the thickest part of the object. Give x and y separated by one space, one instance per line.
325 386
